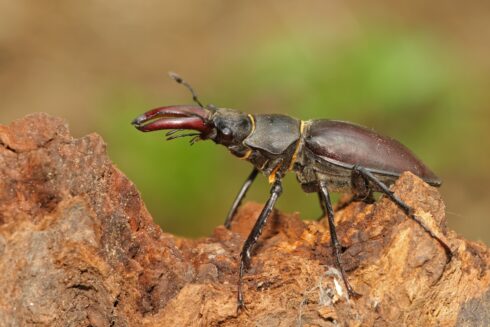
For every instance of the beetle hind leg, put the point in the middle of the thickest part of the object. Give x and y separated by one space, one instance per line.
381 187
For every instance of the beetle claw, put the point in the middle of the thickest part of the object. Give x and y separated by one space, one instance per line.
174 118
241 307
138 120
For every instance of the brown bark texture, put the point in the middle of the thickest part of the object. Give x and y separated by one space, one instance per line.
79 248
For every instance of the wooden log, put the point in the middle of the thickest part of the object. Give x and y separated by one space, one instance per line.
79 248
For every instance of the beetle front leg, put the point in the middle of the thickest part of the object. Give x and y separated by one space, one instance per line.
402 205
276 191
337 248
239 197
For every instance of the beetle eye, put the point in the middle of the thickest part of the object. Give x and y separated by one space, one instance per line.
226 132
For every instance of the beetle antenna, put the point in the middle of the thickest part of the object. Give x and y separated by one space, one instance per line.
179 80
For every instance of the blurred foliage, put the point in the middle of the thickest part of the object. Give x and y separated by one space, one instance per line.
400 83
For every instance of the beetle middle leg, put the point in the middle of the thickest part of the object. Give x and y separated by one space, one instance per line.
239 197
360 189
402 205
337 247
322 205
276 191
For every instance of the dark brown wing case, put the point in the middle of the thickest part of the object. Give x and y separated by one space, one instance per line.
348 144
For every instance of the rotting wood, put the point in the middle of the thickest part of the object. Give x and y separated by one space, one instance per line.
78 247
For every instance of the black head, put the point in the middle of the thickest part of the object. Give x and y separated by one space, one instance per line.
224 126
230 127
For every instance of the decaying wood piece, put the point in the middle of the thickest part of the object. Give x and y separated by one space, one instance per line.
78 248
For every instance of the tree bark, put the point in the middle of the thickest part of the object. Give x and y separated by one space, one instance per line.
79 248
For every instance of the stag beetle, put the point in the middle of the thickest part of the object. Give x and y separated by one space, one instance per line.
326 155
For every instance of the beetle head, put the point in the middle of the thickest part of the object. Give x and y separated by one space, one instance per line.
224 126
230 127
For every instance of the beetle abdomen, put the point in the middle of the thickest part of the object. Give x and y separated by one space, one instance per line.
346 144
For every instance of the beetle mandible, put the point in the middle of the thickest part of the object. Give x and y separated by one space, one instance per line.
326 155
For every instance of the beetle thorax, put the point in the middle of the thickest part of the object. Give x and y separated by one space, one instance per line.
273 144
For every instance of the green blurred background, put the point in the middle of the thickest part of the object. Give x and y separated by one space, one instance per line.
418 71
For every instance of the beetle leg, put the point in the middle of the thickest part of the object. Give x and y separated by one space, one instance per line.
402 205
276 191
239 197
337 248
322 205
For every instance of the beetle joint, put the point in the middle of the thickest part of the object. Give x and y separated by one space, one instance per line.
249 151
298 145
246 155
273 175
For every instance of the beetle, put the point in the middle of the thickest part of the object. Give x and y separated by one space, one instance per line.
326 155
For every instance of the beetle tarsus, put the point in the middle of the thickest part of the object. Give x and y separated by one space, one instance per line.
245 254
238 200
240 305
402 205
